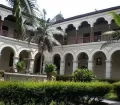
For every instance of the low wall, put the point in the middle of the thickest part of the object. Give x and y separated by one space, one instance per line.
23 77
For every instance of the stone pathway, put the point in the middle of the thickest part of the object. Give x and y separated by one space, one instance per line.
109 102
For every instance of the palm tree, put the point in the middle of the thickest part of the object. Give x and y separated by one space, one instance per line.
27 7
43 37
112 35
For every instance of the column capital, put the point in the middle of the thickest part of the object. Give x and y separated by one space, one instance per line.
75 61
16 57
108 61
90 61
62 61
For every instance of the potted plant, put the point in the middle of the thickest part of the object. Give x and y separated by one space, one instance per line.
49 68
20 66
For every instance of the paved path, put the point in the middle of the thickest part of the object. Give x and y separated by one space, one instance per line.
109 102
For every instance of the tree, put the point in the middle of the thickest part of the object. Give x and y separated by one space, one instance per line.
27 7
43 36
112 35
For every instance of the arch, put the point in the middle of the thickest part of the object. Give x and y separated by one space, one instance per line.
56 61
82 51
70 27
24 49
100 21
64 55
83 60
7 58
68 64
99 64
11 46
84 24
10 18
37 63
36 52
114 26
111 52
71 32
93 52
115 68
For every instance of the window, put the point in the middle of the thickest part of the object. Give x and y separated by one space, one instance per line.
99 61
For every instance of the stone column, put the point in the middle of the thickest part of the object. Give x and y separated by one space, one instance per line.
108 69
91 35
1 24
90 65
76 36
31 66
16 59
62 67
75 65
44 63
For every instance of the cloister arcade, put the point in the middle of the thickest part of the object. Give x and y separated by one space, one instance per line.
88 30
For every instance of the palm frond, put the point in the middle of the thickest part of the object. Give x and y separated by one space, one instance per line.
116 17
48 44
51 32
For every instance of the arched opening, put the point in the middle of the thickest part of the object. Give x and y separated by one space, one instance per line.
37 63
84 32
7 58
25 56
99 66
115 73
58 37
9 26
68 64
83 60
71 32
57 62
114 26
100 26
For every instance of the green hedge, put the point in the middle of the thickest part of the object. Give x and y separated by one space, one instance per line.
111 81
64 78
116 87
32 93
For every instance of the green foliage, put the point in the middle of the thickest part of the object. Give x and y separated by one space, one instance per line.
116 17
40 93
49 68
20 65
64 77
111 81
83 75
116 87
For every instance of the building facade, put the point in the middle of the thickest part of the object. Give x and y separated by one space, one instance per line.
80 47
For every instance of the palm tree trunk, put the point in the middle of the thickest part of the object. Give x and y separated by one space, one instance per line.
41 61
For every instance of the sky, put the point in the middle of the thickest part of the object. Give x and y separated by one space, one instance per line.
70 8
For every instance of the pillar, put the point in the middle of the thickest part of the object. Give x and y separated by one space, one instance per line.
108 69
91 35
76 36
75 65
62 67
16 59
1 24
31 67
90 65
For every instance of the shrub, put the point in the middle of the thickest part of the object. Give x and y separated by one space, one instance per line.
50 70
116 87
21 93
111 81
64 77
20 66
83 75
